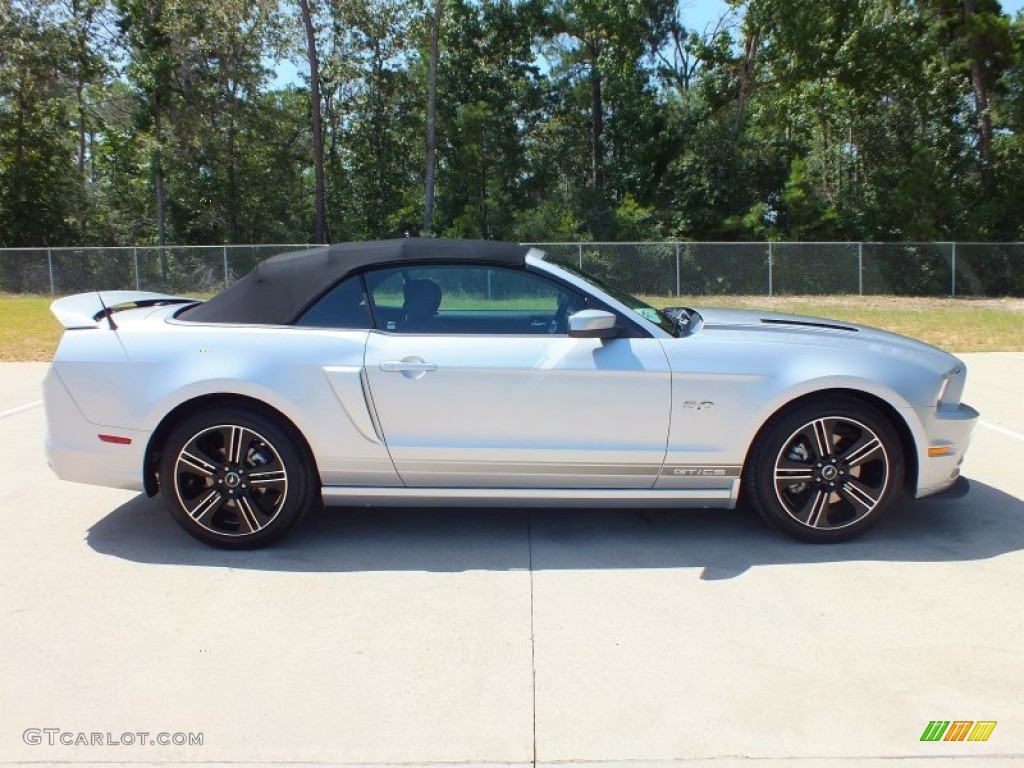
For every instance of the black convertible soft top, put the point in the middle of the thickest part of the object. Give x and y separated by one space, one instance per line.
282 287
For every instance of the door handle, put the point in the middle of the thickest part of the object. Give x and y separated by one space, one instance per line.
404 366
411 367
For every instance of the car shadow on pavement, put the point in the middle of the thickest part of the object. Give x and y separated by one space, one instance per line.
985 523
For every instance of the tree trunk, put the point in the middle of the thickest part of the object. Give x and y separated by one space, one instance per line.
980 88
232 201
596 121
428 208
80 94
92 156
320 224
746 72
82 24
158 184
158 192
158 189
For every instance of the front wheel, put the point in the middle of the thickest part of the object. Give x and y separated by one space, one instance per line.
825 470
235 478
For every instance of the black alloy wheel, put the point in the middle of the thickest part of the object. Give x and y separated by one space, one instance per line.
825 470
236 478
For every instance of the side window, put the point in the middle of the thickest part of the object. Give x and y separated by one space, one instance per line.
344 306
387 288
469 299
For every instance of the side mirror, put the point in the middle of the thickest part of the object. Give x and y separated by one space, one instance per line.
593 324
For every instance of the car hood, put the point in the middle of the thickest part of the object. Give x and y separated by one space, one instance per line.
802 329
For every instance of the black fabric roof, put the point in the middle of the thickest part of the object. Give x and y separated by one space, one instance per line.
283 286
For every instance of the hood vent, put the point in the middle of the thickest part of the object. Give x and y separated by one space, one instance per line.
809 324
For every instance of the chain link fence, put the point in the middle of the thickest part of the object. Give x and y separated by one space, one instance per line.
653 269
192 269
776 269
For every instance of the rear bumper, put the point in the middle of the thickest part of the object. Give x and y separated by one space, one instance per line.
949 428
74 450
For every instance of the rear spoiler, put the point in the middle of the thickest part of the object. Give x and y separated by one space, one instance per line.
85 310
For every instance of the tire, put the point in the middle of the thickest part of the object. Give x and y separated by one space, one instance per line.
236 478
825 470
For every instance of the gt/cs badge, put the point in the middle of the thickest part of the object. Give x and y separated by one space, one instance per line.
694 405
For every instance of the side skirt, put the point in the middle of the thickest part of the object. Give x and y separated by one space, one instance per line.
537 497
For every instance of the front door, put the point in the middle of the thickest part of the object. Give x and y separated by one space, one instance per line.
476 384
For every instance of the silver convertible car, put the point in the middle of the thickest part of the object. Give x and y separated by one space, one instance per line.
434 372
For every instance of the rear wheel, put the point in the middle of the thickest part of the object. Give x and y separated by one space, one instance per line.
236 478
825 470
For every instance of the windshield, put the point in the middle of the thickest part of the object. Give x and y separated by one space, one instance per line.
642 308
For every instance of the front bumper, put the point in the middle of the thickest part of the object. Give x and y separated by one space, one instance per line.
944 427
73 447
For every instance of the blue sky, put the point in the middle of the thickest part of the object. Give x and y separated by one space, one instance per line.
704 14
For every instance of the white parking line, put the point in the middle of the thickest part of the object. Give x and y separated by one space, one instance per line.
19 409
1002 430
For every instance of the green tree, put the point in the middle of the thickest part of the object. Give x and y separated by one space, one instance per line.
374 106
40 201
599 47
490 100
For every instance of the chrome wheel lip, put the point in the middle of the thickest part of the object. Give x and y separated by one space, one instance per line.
231 472
833 470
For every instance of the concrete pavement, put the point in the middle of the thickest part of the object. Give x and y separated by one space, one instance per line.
509 637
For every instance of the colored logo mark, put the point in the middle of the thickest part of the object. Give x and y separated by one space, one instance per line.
958 730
